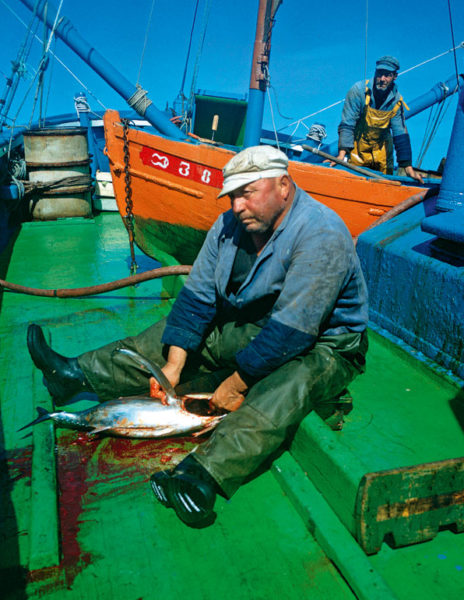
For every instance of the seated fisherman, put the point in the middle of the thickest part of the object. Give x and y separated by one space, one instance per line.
274 311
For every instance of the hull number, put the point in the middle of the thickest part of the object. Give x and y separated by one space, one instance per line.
182 168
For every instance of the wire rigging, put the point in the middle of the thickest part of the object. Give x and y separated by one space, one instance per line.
19 68
146 40
433 123
196 68
366 40
181 92
453 42
300 121
73 75
42 64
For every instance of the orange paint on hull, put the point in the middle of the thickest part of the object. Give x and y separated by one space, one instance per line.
186 200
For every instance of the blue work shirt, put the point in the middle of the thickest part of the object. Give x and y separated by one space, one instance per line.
353 110
307 281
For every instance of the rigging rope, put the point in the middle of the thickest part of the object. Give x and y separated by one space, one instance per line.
139 100
365 40
196 68
431 130
272 111
181 92
39 40
452 40
145 41
43 64
49 85
300 121
18 66
317 132
277 103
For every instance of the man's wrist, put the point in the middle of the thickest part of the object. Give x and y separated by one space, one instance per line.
247 379
177 357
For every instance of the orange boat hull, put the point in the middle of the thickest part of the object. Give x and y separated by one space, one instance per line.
175 186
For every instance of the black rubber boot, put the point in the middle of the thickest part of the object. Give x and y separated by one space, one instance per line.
189 489
63 376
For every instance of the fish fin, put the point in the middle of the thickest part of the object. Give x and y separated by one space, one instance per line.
204 430
43 416
99 430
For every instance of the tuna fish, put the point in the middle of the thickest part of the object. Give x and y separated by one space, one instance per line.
141 416
137 417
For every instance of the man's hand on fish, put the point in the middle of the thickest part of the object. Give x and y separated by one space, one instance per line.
230 394
156 391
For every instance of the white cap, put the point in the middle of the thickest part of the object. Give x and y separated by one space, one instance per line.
251 164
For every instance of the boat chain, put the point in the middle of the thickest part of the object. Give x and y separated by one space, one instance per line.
129 218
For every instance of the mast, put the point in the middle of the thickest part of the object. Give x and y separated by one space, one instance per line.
259 78
133 95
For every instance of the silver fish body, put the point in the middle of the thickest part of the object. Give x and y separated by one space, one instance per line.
136 417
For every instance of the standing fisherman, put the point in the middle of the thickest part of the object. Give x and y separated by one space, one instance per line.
273 315
373 121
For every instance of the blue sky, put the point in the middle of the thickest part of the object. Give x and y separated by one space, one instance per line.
318 52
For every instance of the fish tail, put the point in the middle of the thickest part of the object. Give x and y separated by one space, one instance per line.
43 416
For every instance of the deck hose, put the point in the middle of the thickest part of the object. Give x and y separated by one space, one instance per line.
184 269
99 289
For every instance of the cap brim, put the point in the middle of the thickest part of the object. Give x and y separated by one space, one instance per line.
386 68
234 182
237 181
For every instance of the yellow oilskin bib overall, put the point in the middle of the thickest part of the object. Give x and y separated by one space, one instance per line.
373 144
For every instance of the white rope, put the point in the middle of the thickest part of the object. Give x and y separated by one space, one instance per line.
55 24
81 104
139 100
461 45
317 112
300 121
317 132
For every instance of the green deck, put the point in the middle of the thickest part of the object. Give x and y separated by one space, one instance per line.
78 519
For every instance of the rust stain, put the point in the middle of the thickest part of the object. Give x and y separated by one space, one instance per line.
16 464
418 506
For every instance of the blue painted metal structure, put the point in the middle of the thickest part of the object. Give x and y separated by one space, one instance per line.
259 73
254 118
450 203
415 271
